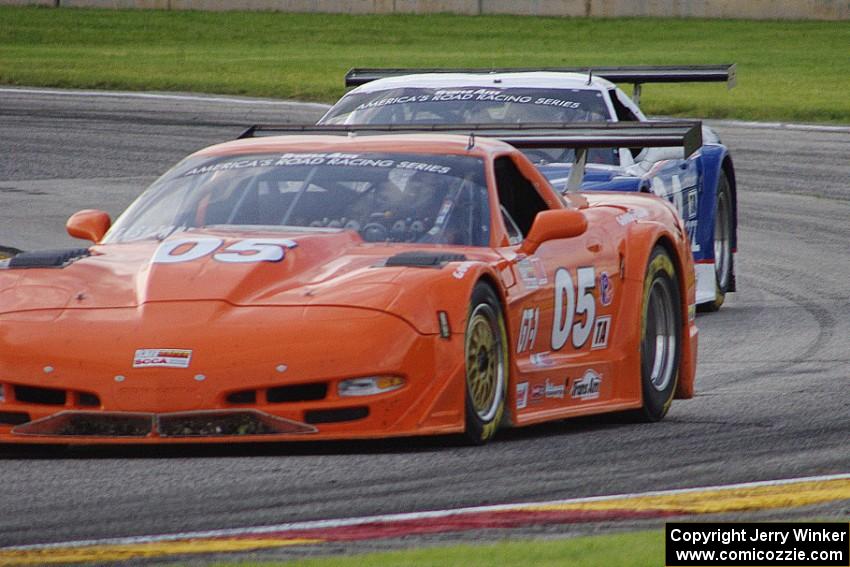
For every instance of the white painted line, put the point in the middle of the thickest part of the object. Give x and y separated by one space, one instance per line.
344 522
165 96
780 126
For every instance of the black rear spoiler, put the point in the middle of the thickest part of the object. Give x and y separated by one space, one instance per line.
581 137
636 75
650 134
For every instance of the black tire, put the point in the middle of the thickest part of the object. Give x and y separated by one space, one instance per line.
486 356
7 252
724 259
661 336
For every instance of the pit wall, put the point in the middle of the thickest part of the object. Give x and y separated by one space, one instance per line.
734 9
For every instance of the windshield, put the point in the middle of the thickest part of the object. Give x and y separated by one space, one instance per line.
479 105
385 197
470 105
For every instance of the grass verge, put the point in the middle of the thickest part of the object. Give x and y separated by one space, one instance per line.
633 549
787 70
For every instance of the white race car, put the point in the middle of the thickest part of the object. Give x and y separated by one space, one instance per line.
702 186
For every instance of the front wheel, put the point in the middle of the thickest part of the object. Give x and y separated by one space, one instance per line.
661 332
486 358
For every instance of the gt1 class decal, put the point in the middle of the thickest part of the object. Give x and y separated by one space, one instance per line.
162 358
521 395
555 390
529 322
532 272
586 387
248 250
570 302
606 289
601 330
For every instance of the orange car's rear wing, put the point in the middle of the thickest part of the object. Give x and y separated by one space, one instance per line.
635 75
580 137
649 134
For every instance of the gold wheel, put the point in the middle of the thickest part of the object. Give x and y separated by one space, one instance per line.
484 371
486 361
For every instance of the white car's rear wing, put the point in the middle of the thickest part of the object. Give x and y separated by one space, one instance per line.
580 137
635 75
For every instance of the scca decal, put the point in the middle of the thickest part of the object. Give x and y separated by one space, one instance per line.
248 250
570 302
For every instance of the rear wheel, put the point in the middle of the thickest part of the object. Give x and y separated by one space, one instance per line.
661 332
724 260
486 358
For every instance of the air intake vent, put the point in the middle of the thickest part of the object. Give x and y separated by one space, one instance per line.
336 415
48 258
227 423
297 393
243 397
13 417
424 259
88 400
82 424
42 396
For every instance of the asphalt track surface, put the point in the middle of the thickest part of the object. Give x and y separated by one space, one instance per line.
772 387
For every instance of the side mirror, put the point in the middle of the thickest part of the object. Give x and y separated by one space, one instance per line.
551 225
89 224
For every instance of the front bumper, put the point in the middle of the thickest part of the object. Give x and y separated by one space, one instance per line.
256 374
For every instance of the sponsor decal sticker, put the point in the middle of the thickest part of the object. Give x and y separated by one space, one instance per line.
162 358
532 272
538 391
633 215
461 270
539 270
586 387
324 159
606 289
521 395
692 204
601 330
554 390
692 311
507 277
543 359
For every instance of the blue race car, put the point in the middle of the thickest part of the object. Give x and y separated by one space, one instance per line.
702 186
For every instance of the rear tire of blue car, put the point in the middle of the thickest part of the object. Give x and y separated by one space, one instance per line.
661 336
6 252
724 258
486 357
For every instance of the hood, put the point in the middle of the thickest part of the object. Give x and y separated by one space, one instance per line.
321 268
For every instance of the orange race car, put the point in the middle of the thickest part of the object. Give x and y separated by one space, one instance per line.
348 282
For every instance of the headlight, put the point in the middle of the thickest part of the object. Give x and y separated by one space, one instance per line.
369 386
2 393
